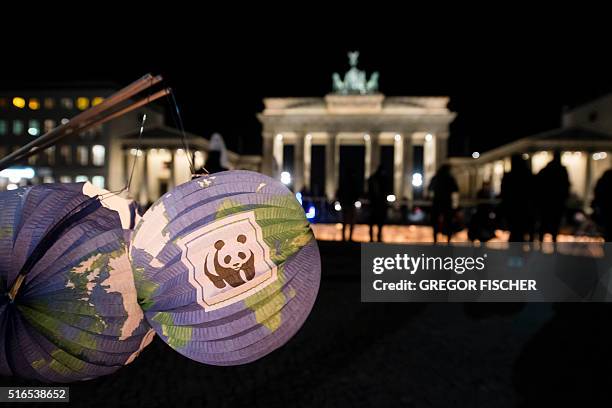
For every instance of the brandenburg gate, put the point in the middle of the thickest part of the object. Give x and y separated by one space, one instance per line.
355 114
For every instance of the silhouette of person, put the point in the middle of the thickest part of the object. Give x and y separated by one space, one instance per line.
482 223
217 159
602 204
348 193
212 165
442 186
213 162
378 190
517 195
553 187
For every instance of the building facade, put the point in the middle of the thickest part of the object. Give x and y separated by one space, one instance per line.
104 155
315 144
27 114
584 140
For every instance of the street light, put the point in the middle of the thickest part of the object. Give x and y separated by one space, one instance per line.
417 179
285 178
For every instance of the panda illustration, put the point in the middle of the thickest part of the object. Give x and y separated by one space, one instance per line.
234 263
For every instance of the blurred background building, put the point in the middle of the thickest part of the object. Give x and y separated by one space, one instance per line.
105 154
584 139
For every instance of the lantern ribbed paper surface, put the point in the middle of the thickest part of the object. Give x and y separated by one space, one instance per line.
68 309
226 267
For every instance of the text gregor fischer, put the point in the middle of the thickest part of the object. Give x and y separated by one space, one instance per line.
458 265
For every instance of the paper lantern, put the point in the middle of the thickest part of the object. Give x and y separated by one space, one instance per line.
226 267
68 309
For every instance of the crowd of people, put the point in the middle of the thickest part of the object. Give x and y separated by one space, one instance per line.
532 205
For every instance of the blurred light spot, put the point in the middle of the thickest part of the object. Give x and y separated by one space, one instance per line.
417 179
285 178
19 102
82 103
34 104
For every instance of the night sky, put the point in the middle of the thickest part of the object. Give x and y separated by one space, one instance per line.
504 83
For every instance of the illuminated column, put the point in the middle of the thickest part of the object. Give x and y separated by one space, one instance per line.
331 165
473 177
298 163
588 176
367 159
171 179
398 166
277 151
126 163
267 161
441 148
307 160
144 186
408 160
430 163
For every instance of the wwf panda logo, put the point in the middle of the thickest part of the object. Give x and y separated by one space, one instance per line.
234 263
227 260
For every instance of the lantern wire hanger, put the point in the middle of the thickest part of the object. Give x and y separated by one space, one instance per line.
178 122
109 109
177 119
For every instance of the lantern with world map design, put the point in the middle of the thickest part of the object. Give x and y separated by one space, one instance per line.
68 306
226 267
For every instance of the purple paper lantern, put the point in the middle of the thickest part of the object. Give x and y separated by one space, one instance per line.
68 309
226 267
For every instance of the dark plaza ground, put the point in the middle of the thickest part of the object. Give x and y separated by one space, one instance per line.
397 354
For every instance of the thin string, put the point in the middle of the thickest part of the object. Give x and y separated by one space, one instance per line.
138 150
178 122
128 182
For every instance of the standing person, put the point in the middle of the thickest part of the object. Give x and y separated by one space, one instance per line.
348 193
482 222
216 160
213 162
602 204
517 195
377 195
553 188
443 185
